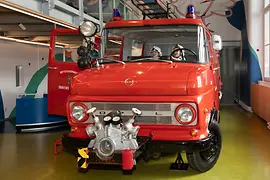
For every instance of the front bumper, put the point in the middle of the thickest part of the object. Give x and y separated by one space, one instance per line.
179 146
72 144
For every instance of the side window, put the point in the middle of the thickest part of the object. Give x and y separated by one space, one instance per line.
113 47
207 46
132 48
203 56
137 48
66 47
209 50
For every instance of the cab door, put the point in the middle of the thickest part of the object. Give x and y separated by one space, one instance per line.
214 61
216 71
216 76
62 65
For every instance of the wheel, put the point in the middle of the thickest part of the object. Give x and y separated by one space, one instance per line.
156 155
205 160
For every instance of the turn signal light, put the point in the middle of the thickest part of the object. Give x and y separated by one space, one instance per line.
205 110
73 129
194 132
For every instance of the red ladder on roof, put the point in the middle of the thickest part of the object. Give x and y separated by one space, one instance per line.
154 9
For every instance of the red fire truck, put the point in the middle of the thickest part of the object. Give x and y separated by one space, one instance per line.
160 93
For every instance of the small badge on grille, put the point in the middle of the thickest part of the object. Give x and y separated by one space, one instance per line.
129 82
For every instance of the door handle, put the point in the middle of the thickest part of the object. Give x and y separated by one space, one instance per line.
68 72
51 67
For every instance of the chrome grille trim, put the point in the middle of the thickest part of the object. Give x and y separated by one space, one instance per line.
128 106
152 113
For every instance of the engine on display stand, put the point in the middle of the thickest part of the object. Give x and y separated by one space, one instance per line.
112 135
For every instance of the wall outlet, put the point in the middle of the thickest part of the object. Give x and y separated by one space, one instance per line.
5 109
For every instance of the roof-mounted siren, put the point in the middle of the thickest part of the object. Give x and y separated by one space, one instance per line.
116 15
191 12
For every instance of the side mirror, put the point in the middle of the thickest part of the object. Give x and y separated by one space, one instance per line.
88 29
217 42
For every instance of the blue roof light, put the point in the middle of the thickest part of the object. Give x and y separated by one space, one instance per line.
190 9
116 12
116 15
191 12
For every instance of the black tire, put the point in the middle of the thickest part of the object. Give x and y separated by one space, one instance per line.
201 161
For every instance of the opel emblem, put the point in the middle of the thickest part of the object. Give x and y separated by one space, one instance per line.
129 82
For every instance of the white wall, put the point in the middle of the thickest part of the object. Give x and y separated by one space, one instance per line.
222 27
219 24
12 54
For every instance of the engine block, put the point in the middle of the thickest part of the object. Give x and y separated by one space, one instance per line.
112 136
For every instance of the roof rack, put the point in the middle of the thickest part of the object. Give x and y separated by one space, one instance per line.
154 9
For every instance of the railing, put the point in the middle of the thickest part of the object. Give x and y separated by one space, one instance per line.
92 8
155 8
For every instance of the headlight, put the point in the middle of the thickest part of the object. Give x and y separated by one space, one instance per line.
78 112
185 114
88 29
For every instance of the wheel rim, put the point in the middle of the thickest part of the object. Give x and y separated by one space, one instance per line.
211 153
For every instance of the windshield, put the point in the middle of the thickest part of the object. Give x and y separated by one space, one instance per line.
133 43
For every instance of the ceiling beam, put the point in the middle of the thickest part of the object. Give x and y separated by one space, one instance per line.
27 34
36 28
18 18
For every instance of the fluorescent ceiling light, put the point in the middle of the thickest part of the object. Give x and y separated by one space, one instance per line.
27 42
36 16
63 44
116 42
72 47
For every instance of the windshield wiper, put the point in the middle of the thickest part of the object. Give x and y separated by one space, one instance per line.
109 60
143 59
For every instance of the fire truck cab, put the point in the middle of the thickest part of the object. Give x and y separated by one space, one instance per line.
159 94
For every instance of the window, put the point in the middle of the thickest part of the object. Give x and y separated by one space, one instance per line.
266 3
66 47
113 45
267 39
138 41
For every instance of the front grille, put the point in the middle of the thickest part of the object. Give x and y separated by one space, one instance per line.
128 106
154 120
152 113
